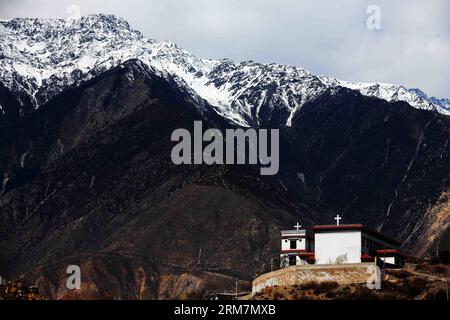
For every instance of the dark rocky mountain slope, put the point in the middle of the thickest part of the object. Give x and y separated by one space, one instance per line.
88 180
380 163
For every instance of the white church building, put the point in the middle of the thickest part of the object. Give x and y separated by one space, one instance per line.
338 244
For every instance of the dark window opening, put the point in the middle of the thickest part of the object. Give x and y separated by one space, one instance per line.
293 244
292 260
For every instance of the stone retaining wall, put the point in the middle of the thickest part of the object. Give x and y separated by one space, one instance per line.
342 274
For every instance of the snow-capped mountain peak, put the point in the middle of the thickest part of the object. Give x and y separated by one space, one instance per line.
41 57
442 103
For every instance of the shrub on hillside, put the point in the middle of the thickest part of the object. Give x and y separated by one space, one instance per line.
443 257
424 267
388 296
309 286
415 287
194 295
325 287
278 295
363 293
266 290
441 269
392 287
343 292
17 290
401 274
436 294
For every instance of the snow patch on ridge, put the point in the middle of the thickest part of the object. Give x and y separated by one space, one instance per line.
41 57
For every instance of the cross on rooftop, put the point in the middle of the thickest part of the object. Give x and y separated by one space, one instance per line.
297 226
337 219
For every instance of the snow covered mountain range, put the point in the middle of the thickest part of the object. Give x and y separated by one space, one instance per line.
41 57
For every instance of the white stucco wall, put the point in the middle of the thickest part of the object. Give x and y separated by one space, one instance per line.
390 260
329 246
285 245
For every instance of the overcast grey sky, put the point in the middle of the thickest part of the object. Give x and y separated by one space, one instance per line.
327 37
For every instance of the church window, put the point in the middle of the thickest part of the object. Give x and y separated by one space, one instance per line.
293 244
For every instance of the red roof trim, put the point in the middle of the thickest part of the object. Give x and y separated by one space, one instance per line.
366 257
295 236
384 251
340 227
299 251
